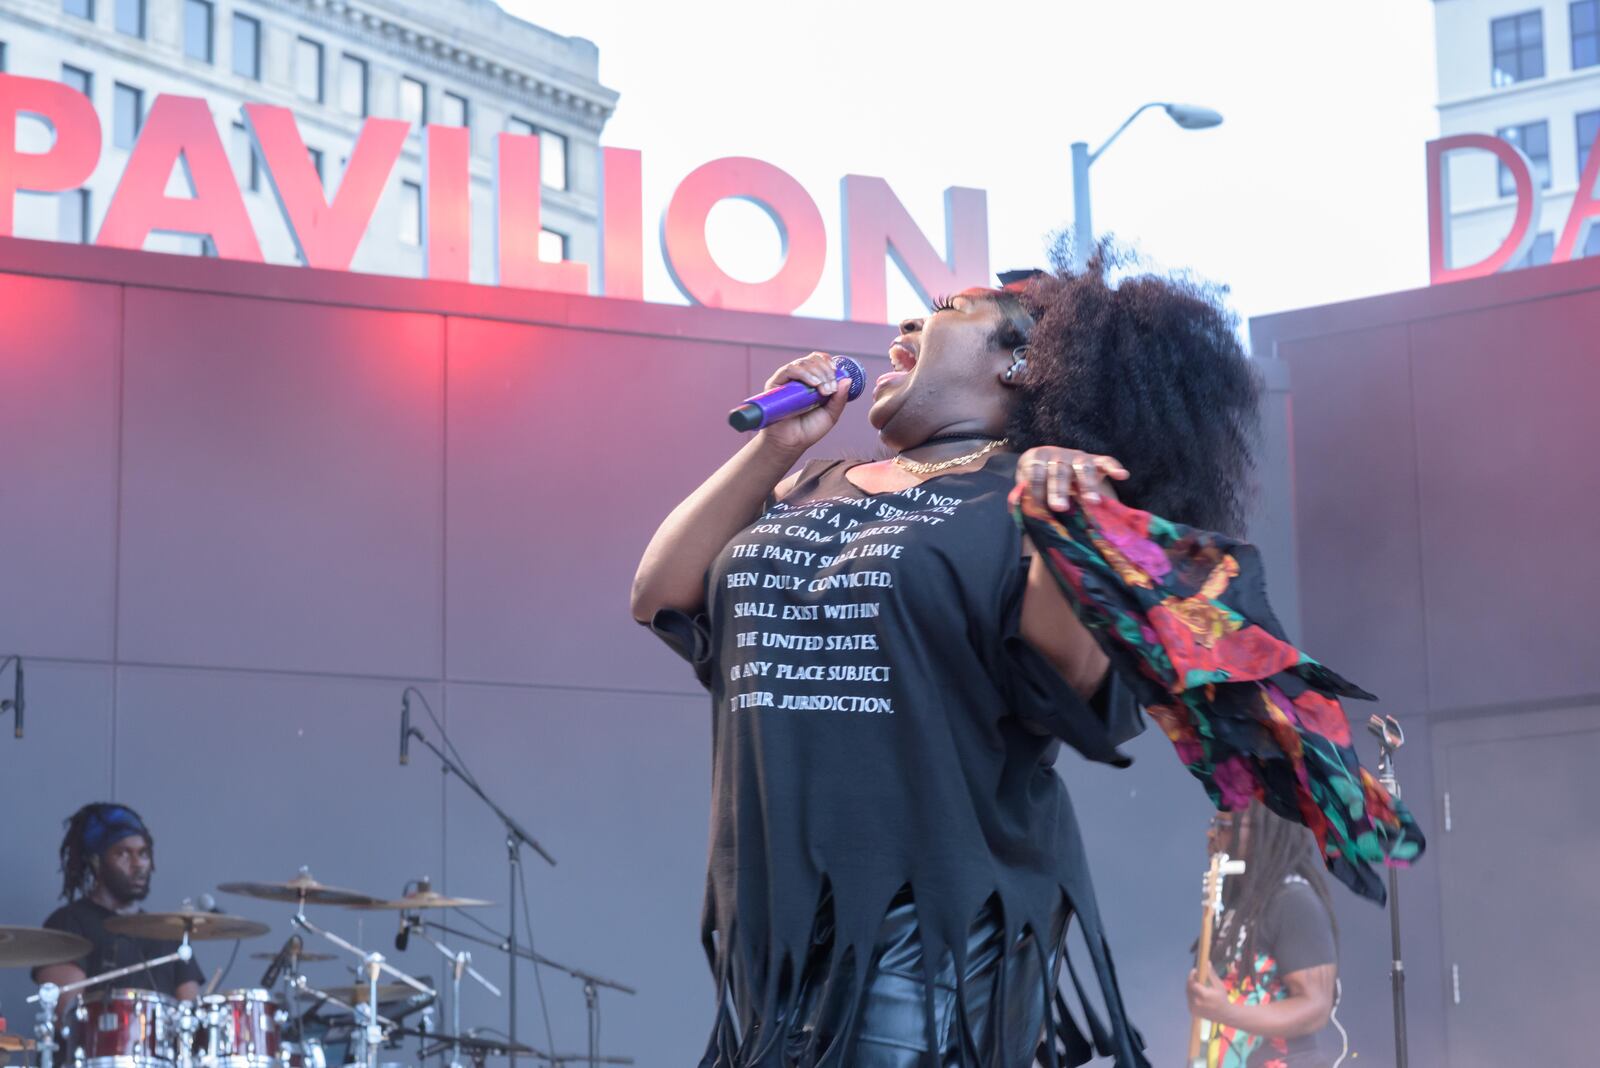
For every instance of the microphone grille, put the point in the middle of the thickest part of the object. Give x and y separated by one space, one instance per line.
858 377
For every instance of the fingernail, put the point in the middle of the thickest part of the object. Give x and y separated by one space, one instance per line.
1092 497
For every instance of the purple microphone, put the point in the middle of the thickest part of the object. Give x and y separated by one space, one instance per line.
792 398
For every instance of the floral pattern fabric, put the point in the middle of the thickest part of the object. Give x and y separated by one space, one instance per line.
1228 1047
1183 616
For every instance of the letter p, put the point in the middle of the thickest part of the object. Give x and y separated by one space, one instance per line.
67 163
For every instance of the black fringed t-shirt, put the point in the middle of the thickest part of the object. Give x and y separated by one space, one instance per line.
879 724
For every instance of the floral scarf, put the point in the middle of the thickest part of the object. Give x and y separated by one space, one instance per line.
1183 615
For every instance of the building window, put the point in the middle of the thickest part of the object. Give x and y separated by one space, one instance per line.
353 86
308 69
247 47
2 56
552 152
130 17
553 159
127 115
453 109
1588 124
316 163
1518 45
1591 244
84 9
78 78
1534 140
244 150
73 216
1585 33
413 101
199 20
410 213
552 245
1539 253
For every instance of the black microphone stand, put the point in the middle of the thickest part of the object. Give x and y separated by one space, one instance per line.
1391 737
516 838
592 983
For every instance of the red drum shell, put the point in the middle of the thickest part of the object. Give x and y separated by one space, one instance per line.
246 1026
122 1028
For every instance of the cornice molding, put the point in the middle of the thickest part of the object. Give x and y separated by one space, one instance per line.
587 105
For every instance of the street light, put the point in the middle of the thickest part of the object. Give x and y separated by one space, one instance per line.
1186 116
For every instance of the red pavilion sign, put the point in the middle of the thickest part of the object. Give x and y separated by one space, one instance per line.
875 226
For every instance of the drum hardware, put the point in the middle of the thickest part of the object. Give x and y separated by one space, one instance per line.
49 994
515 838
476 1047
592 984
421 895
189 924
302 890
371 1026
460 964
38 947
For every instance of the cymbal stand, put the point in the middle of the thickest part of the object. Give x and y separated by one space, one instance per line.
592 984
49 996
516 838
370 1029
1390 738
460 963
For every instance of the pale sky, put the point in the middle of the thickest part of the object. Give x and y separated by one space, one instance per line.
1311 191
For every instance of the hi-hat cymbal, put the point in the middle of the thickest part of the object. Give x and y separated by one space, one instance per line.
473 1044
427 899
10 1043
302 888
200 926
35 947
303 958
388 993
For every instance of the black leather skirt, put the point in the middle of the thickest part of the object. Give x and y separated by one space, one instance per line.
891 1026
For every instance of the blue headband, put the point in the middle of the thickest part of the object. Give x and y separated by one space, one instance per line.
107 826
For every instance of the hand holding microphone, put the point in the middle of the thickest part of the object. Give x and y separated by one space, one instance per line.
803 400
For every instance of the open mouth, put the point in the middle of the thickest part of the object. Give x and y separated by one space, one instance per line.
902 357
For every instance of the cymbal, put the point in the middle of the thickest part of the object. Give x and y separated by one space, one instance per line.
427 899
388 993
302 888
201 926
35 947
303 957
11 1043
497 1047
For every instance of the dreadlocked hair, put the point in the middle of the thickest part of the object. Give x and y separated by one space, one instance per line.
1279 849
1148 370
77 873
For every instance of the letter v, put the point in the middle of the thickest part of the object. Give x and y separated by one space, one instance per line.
325 233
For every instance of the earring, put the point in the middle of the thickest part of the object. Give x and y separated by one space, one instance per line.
1019 364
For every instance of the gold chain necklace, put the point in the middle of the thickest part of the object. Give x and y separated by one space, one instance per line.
916 467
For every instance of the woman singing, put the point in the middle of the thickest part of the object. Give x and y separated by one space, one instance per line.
894 668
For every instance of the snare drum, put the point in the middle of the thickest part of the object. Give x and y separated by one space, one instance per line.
238 1029
122 1028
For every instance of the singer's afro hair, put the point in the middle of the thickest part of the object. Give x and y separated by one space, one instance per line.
1149 369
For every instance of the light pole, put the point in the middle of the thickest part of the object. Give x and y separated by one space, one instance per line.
1185 115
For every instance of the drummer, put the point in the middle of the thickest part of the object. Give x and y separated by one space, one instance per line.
107 857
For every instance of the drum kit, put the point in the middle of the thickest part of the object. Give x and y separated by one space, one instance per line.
286 1022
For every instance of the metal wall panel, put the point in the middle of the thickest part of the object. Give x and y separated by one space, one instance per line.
282 486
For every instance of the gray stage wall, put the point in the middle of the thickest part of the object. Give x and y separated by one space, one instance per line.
242 506
1447 513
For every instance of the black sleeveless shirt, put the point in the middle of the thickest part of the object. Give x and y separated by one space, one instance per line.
878 724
